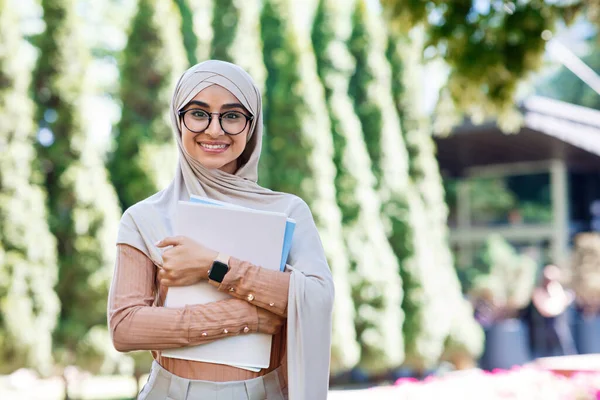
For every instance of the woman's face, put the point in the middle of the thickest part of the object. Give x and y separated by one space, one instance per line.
214 148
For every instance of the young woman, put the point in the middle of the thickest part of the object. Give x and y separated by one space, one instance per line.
216 113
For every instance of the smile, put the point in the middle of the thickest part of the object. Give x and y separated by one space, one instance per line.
214 148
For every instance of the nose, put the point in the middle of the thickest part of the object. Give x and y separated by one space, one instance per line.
214 128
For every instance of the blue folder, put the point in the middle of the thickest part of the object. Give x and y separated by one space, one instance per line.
290 226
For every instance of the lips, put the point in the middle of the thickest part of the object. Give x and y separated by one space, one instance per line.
214 147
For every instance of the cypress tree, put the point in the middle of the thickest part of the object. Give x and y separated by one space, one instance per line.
190 41
427 322
376 287
236 36
153 60
83 207
224 25
465 335
301 150
28 265
202 11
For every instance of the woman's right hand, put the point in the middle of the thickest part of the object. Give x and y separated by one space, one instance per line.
268 322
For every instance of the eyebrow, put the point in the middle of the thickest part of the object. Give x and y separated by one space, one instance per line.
232 105
227 106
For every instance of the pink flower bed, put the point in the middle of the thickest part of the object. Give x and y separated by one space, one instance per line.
525 383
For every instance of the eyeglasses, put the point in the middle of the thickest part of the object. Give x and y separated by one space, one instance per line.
232 122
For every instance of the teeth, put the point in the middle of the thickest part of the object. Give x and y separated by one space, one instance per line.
213 146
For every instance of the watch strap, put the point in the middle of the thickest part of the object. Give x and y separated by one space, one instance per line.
224 258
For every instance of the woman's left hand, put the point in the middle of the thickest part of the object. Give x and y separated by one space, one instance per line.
185 263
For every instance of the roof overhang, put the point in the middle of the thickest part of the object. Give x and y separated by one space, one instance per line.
552 130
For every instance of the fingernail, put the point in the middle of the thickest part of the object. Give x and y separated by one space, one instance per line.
157 243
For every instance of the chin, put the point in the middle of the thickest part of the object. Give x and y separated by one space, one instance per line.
211 161
211 164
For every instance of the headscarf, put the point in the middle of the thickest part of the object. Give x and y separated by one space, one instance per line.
311 292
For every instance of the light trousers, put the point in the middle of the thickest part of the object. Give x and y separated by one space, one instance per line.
163 385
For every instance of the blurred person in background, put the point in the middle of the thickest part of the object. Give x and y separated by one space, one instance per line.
548 318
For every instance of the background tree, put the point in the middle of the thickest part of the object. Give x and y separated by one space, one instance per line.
28 265
465 337
224 26
506 38
236 37
376 288
83 207
427 322
202 11
190 41
153 60
298 137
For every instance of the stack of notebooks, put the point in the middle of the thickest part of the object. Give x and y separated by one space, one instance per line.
260 237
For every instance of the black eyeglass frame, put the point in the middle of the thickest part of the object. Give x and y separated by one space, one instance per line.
249 118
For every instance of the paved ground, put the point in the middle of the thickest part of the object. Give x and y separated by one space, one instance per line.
24 386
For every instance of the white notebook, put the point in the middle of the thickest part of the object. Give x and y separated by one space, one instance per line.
249 235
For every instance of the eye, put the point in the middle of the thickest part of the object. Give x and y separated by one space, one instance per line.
233 115
200 114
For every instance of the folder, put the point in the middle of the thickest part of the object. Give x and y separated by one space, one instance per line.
290 225
247 234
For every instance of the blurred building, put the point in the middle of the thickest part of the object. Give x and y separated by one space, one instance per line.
537 188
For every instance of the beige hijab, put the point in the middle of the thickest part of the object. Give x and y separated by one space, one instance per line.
311 293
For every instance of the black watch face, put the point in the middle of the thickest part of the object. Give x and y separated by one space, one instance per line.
218 271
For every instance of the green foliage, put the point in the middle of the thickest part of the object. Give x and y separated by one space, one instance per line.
358 90
489 47
28 265
427 337
376 288
190 42
403 57
96 352
83 206
236 37
202 12
224 27
335 66
145 155
490 198
300 150
246 50
507 279
285 107
494 200
424 327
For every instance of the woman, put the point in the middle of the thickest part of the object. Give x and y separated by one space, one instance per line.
216 114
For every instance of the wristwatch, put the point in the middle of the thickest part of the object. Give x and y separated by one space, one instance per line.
219 269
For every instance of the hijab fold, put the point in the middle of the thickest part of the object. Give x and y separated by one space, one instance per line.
310 300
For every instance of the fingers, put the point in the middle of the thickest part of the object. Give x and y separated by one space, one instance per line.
170 241
165 278
174 278
162 274
168 274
